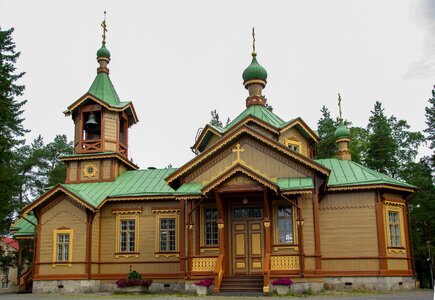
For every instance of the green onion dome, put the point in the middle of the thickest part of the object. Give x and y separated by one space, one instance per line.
254 70
342 131
103 52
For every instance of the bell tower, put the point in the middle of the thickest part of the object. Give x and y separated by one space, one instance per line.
101 122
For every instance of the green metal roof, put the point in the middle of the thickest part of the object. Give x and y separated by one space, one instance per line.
23 227
349 173
298 183
260 112
130 183
191 188
103 89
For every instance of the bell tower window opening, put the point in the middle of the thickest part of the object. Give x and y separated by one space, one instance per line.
123 134
91 125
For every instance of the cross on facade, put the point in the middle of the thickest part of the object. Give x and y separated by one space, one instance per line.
238 150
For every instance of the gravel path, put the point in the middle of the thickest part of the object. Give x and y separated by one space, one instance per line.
402 295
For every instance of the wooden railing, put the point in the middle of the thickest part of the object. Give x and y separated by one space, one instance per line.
266 273
219 273
91 145
123 150
25 280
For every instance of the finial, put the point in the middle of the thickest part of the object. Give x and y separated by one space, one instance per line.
339 108
253 41
103 24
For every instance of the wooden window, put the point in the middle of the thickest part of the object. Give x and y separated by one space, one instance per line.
62 247
166 232
167 235
394 228
285 224
127 232
211 228
294 144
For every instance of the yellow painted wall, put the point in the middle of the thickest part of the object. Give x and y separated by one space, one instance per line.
107 168
63 214
73 171
348 225
213 140
397 264
111 125
294 134
147 238
82 177
350 265
308 229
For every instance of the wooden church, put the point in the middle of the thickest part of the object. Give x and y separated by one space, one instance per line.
252 206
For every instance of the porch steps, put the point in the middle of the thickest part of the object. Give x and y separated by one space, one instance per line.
242 285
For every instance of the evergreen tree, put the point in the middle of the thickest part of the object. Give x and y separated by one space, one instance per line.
430 122
381 147
268 107
11 127
358 143
55 171
215 119
326 126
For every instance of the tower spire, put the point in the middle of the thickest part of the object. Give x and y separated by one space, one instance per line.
342 135
103 54
254 78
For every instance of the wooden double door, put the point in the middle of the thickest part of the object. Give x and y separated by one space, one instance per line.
247 243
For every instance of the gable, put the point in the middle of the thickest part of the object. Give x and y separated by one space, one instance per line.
221 152
252 154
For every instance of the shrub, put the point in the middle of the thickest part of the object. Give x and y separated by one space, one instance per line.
134 279
282 281
205 282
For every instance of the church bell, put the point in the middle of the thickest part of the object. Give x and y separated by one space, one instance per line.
92 121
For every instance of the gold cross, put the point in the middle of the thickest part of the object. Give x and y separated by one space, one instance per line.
238 150
339 107
253 40
103 24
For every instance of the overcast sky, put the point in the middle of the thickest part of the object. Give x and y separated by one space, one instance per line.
178 60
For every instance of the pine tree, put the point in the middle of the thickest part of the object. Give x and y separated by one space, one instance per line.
430 122
11 127
215 119
326 127
381 147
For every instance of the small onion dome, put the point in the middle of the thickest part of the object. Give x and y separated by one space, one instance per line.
342 131
103 52
254 70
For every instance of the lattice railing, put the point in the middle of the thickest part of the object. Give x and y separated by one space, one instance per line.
203 264
284 263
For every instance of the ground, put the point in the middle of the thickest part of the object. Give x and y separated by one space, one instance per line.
353 295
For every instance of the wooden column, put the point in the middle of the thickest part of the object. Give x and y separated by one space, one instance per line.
301 236
189 240
88 267
37 245
220 222
381 234
182 222
316 218
267 228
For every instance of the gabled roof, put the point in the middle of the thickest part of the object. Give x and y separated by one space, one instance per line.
244 129
10 242
263 117
23 228
103 92
346 174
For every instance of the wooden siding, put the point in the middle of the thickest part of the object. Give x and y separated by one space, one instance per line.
73 170
307 213
397 264
63 214
95 237
256 155
111 126
262 130
353 264
348 225
107 169
213 140
294 134
77 134
146 261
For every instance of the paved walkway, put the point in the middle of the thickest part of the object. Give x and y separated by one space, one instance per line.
403 295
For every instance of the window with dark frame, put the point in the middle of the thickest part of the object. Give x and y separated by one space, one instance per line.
285 224
167 235
211 229
127 236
